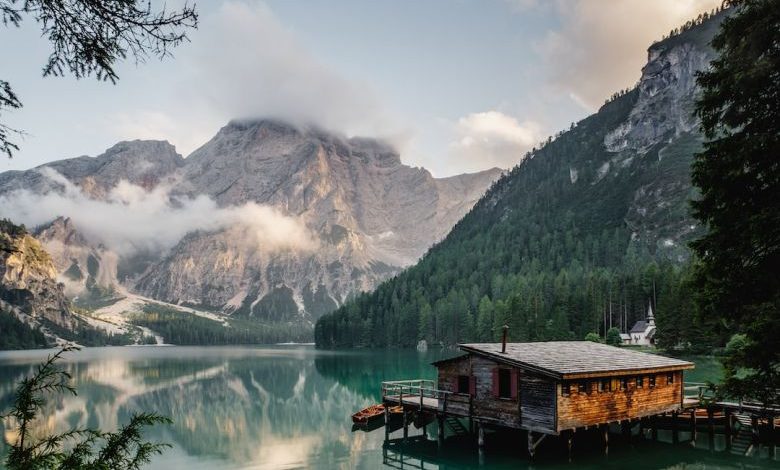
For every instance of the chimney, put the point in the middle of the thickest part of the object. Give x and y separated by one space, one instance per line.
503 339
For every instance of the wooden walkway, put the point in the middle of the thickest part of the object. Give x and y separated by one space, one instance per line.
422 403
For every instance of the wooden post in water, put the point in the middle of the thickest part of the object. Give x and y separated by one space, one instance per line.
480 435
406 425
754 427
440 420
387 422
693 426
675 434
625 427
727 430
654 427
569 441
604 428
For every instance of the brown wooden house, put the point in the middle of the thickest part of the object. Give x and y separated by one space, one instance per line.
550 387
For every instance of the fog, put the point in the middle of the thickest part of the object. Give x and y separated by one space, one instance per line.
132 219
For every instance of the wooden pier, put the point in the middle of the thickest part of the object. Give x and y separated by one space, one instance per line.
634 394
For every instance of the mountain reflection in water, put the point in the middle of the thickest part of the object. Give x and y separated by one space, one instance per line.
270 407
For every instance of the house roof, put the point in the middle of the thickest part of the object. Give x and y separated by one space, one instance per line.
450 359
575 359
639 327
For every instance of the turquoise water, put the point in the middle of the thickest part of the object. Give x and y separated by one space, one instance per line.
289 407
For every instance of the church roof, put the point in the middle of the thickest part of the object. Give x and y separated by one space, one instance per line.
639 327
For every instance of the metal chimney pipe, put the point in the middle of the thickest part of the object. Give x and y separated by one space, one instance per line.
503 339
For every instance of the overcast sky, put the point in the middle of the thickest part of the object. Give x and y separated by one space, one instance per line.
455 85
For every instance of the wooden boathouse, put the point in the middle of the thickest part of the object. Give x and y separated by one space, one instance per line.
546 388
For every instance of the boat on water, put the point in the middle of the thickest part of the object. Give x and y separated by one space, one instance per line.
369 415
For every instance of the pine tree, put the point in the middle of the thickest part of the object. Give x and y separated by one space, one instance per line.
738 174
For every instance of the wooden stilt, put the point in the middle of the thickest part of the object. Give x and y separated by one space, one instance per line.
728 427
675 433
693 426
754 427
531 447
440 421
710 420
654 427
625 427
480 435
387 423
406 426
604 428
569 441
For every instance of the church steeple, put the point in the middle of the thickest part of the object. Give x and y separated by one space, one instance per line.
650 317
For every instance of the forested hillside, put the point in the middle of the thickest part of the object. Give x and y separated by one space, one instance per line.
585 232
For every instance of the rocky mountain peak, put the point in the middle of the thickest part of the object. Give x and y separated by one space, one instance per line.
28 277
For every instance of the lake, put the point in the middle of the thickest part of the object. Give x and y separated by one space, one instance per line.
289 407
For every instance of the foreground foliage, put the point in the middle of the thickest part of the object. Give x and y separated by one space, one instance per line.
88 38
738 173
75 449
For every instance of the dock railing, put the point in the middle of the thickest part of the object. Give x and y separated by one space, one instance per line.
697 390
415 389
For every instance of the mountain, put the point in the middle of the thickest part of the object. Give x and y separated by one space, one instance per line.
353 212
369 214
28 285
580 236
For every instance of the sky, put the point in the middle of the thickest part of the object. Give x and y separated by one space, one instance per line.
455 85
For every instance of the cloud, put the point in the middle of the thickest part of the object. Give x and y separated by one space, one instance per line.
244 63
492 138
249 65
131 219
601 47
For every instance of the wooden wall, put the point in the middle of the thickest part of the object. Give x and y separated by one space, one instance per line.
587 409
537 401
459 404
535 393
487 406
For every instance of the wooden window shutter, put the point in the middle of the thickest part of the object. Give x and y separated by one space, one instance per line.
513 384
495 382
472 386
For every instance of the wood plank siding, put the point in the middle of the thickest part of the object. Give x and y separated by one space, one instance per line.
538 405
593 406
557 386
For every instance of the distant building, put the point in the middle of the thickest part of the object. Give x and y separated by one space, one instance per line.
643 331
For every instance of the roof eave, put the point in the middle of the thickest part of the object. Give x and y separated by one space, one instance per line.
624 372
510 361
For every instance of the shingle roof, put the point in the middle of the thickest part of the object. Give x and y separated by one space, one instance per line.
639 327
569 359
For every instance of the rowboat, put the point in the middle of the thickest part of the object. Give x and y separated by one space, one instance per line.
367 415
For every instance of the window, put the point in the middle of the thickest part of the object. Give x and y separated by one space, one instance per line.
651 381
624 384
670 378
463 384
583 387
566 389
504 383
605 385
640 382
